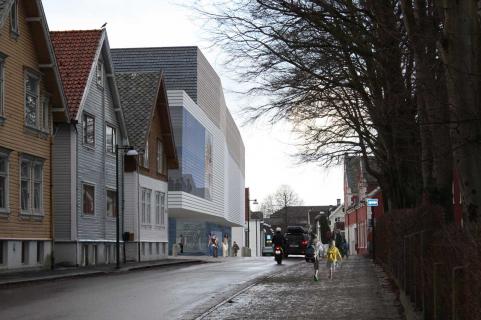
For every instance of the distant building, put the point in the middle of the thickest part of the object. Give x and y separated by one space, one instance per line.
359 185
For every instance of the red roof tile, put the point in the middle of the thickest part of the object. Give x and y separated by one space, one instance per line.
75 53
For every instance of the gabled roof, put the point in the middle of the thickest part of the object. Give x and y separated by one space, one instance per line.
140 94
352 167
76 52
5 6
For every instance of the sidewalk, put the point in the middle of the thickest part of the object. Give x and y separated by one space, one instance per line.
11 278
359 291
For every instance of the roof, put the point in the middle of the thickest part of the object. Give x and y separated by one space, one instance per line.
178 64
139 94
352 168
4 10
75 51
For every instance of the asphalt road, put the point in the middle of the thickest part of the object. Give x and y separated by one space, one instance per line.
167 293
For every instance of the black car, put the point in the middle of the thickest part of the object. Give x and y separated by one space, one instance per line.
296 243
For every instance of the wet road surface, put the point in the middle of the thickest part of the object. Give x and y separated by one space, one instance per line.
359 291
167 293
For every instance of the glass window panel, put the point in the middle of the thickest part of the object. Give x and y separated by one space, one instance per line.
14 18
89 130
31 101
111 203
45 114
111 139
25 185
148 206
3 164
2 68
88 199
146 155
3 192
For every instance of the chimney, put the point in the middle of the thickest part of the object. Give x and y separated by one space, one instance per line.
338 202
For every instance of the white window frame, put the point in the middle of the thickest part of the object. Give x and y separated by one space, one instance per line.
162 209
157 207
5 156
45 126
115 211
36 95
31 182
145 158
84 184
14 27
110 147
100 74
84 130
146 199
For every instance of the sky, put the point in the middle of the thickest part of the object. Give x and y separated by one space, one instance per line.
151 23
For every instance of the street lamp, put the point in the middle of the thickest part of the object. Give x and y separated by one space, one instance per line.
248 221
130 153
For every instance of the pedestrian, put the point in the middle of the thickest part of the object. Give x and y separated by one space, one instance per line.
344 250
209 245
318 254
333 255
235 248
225 246
215 246
181 243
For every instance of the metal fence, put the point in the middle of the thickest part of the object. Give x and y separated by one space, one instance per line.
437 265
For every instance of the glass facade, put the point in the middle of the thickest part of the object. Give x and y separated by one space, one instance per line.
194 149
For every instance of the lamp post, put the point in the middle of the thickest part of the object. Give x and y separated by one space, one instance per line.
131 153
248 221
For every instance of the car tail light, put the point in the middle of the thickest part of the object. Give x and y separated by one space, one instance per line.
304 242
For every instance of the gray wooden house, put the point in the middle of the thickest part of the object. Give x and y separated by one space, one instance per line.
84 161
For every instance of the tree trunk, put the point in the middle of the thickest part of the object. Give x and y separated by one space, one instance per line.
461 48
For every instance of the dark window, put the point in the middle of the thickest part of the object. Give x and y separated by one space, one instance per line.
3 181
2 85
100 74
88 199
25 252
111 203
89 130
2 252
40 252
14 18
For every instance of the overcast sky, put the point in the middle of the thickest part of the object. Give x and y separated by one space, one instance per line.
151 23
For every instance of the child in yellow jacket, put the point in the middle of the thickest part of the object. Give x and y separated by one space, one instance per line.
332 256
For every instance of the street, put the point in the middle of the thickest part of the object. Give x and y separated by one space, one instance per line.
270 292
168 293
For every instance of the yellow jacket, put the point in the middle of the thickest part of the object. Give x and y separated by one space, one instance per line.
333 254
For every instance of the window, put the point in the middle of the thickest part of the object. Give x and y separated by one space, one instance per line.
157 248
89 130
157 208
160 157
111 203
45 114
31 186
162 208
25 252
31 100
3 182
39 252
88 196
107 253
2 85
14 19
146 196
111 138
146 155
3 251
100 74
150 248
143 248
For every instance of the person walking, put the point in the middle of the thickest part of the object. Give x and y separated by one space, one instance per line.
333 255
181 243
235 249
318 254
225 246
209 245
215 246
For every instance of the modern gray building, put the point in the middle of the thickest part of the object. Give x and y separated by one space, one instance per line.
84 160
206 193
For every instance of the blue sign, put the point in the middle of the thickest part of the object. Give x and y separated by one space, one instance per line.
372 202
